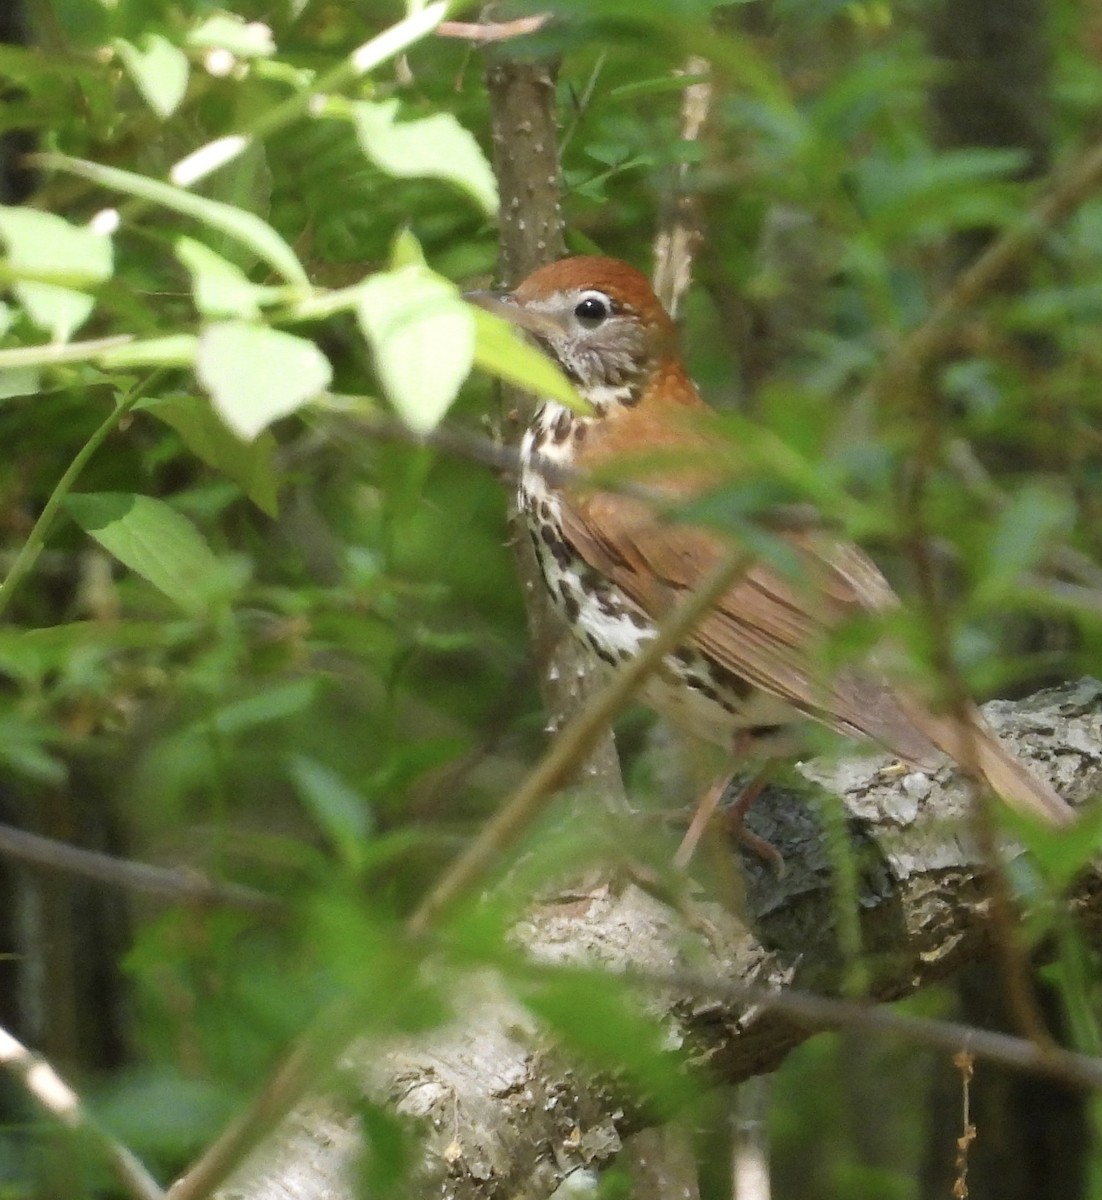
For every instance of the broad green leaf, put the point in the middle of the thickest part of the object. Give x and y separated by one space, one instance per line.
406 251
501 350
273 704
223 31
221 289
40 242
151 539
422 335
159 70
1024 531
251 465
340 810
437 147
255 375
19 381
245 227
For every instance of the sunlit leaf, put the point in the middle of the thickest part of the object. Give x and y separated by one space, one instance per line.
227 31
159 70
255 375
153 540
502 351
245 227
40 242
434 147
18 381
221 288
422 335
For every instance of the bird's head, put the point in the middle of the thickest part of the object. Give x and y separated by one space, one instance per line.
598 318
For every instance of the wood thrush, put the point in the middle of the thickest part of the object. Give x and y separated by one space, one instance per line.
615 567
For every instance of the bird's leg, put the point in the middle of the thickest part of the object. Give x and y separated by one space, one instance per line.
733 818
705 811
760 846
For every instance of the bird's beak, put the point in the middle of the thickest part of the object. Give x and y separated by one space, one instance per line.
502 304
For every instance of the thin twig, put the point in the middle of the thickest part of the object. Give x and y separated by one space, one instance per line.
570 748
180 886
58 1098
492 31
36 539
1080 1071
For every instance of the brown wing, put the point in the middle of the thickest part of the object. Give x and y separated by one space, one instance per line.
765 629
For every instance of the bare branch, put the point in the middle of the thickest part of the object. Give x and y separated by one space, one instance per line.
492 31
53 1094
177 885
514 1114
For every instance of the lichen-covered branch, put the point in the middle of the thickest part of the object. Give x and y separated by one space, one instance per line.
507 1114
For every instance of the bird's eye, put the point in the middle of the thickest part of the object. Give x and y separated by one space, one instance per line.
591 310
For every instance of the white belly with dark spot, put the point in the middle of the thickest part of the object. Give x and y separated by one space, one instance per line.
684 689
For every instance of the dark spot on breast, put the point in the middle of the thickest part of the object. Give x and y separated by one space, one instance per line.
632 396
545 511
569 601
601 651
763 731
638 619
728 681
580 428
564 422
559 549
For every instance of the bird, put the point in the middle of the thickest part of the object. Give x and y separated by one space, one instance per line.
616 562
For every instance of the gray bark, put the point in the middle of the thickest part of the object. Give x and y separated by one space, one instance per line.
507 1114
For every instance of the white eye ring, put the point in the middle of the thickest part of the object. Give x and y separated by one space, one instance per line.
592 309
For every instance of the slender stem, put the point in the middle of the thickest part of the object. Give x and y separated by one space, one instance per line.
58 1098
570 748
36 540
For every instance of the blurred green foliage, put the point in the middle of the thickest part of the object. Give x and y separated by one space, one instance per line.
299 661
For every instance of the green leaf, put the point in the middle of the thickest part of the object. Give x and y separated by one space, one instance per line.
503 351
437 147
249 464
340 810
273 704
151 539
39 242
245 227
1024 531
18 381
221 289
256 375
225 31
159 70
422 335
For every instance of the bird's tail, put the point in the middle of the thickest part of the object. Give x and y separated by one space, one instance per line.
976 748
